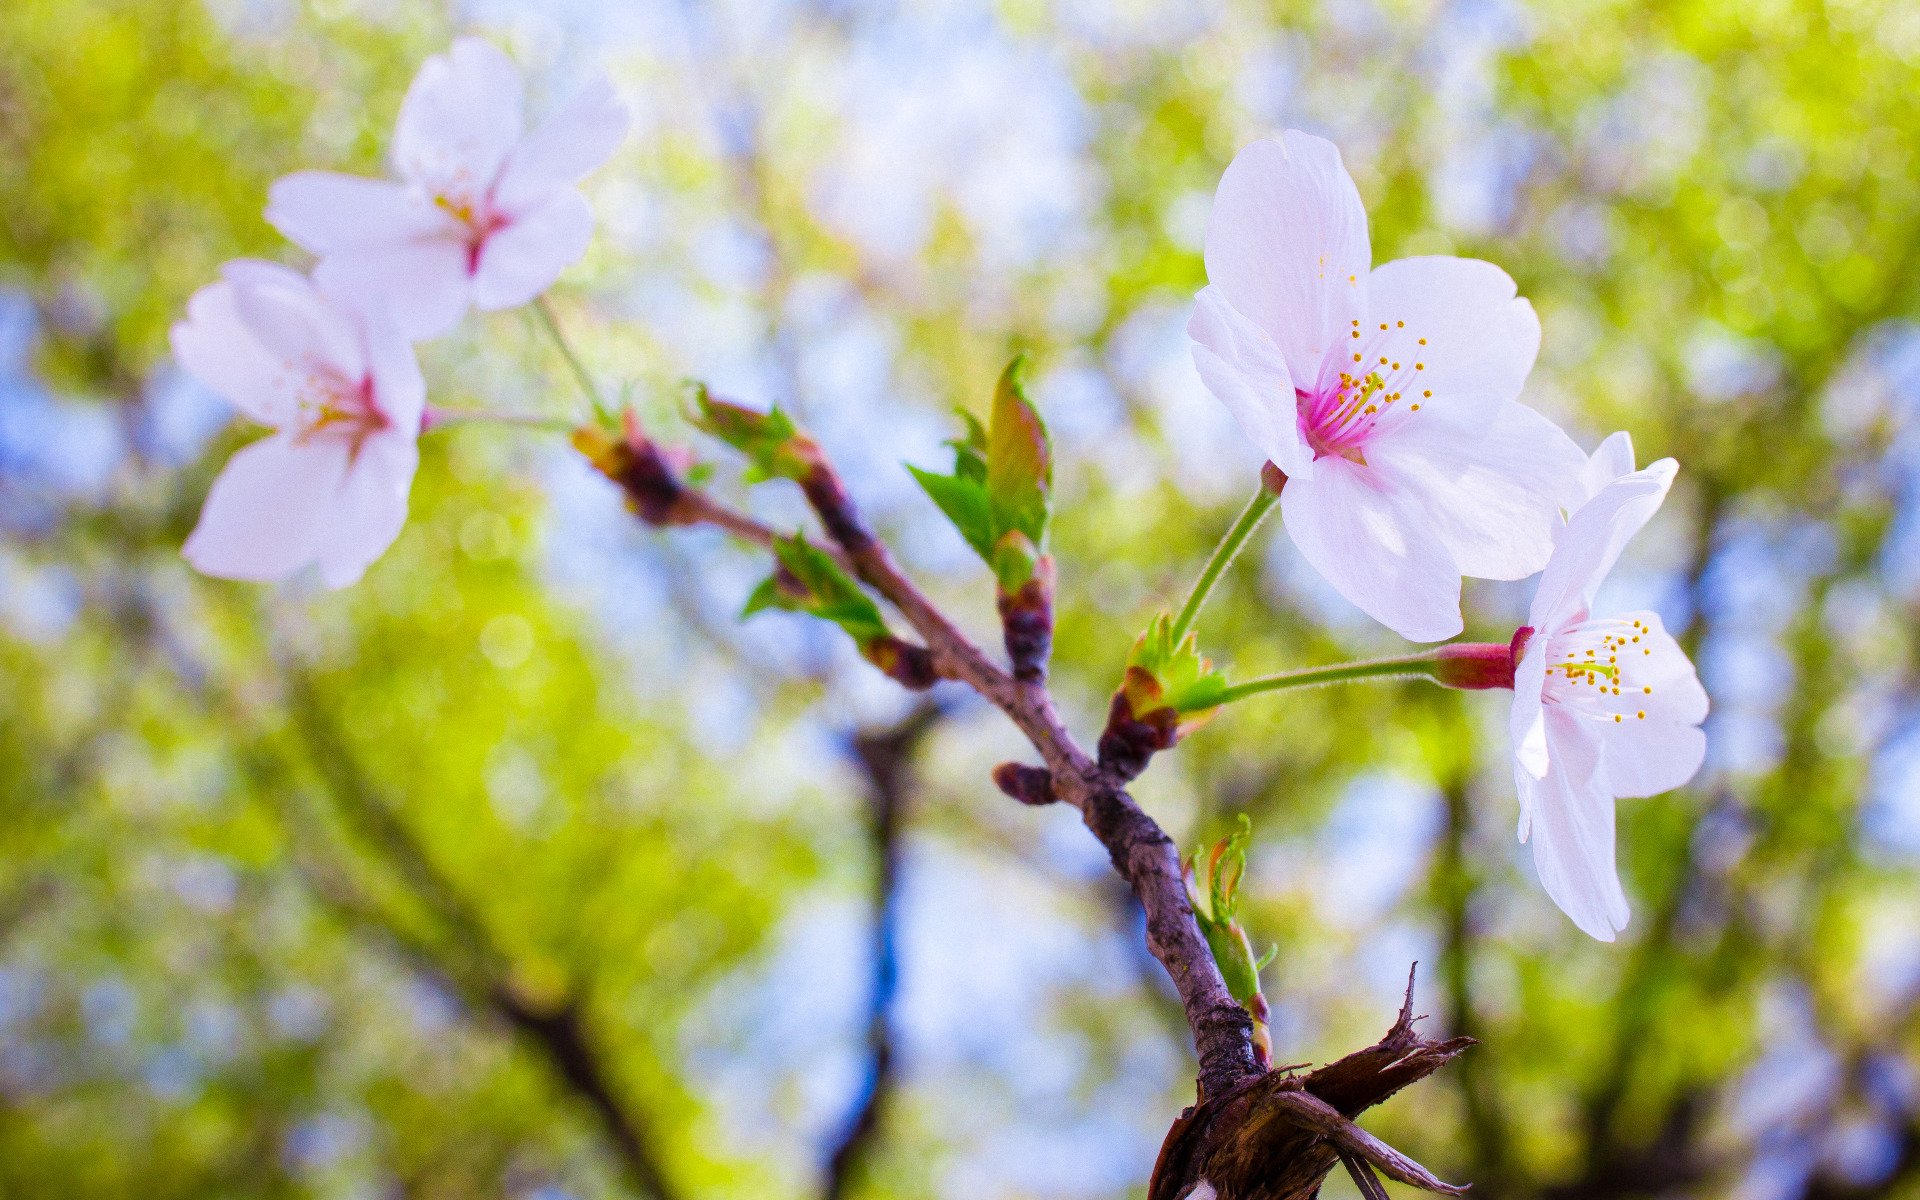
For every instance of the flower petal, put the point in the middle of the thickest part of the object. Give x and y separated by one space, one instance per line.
1646 758
323 212
1644 713
1371 541
264 517
1243 368
1493 496
369 509
214 346
423 286
295 322
1610 461
522 260
1455 327
1572 831
1527 722
460 120
1287 246
580 136
1592 542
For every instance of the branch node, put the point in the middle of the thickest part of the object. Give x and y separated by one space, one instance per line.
1131 740
1028 785
1026 619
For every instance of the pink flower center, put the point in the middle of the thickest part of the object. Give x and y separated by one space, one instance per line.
332 405
1340 415
1337 421
479 220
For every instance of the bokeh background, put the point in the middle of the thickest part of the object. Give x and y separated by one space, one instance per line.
524 869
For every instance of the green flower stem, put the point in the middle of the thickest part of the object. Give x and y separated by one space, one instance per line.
580 374
1223 556
438 417
1413 666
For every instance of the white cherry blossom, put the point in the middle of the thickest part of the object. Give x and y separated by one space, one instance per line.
1603 707
344 395
483 213
1387 395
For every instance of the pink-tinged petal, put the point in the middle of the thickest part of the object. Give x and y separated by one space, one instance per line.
1455 328
1665 667
1613 459
1287 246
1572 831
423 286
1645 671
1493 496
1527 722
1643 701
399 390
259 272
296 323
523 259
369 509
460 120
1244 370
570 144
1645 758
265 517
1371 542
324 212
215 347
1592 542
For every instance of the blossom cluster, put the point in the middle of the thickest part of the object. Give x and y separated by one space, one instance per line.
1389 397
1386 399
481 214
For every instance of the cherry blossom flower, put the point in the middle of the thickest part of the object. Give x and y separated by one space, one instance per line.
1603 707
1385 394
481 214
344 395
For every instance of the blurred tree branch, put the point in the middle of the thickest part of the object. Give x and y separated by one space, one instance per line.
479 970
886 757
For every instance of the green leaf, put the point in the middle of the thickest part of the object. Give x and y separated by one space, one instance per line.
1019 459
810 582
1213 886
1014 561
1188 682
970 452
964 501
773 445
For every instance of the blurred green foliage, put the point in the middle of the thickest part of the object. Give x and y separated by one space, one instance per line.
305 894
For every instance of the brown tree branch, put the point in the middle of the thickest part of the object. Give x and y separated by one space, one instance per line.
1250 1137
1139 849
1277 1137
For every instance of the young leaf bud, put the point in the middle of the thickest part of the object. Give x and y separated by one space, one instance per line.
1019 460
